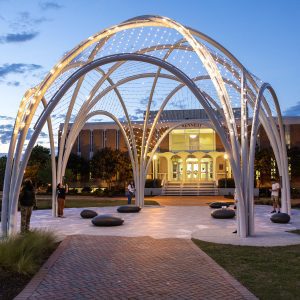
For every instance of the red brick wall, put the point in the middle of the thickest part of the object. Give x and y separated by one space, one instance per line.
295 135
122 144
111 138
164 145
98 140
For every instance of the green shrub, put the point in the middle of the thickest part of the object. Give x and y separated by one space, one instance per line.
98 192
229 183
153 183
265 192
73 191
86 189
295 193
24 254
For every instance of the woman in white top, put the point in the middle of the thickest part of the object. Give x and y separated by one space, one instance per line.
131 190
275 196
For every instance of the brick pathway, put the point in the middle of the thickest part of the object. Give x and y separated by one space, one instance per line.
104 267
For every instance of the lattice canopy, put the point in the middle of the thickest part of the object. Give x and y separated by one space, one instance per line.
142 74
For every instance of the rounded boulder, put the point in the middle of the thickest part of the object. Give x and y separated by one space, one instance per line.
223 213
128 209
218 204
107 220
88 214
280 218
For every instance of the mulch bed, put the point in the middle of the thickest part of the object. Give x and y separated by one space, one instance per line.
11 284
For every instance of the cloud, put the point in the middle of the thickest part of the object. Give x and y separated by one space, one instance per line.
5 133
17 37
24 21
139 111
26 18
50 5
6 118
7 129
13 83
293 110
19 68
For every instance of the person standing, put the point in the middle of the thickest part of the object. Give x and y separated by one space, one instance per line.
27 201
275 196
62 190
131 191
235 205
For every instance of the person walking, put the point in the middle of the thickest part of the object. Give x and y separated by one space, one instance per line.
62 190
131 191
275 196
27 201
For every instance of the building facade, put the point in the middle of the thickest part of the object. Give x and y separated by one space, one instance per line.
189 153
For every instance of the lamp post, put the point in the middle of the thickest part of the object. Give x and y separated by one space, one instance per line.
225 158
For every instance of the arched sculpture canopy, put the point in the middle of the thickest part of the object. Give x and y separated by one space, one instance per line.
132 73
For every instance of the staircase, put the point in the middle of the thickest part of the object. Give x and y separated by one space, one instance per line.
201 188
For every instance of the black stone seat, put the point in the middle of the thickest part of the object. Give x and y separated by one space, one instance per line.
107 220
223 213
218 204
280 218
88 214
128 209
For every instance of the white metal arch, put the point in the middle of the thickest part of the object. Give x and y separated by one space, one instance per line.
240 159
93 64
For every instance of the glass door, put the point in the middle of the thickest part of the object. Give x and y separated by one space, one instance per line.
192 170
176 170
204 170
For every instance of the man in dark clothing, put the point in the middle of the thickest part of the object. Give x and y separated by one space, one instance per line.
61 197
27 201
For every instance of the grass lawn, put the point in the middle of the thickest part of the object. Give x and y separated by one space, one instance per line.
268 272
46 203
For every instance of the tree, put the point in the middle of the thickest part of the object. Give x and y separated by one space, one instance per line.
70 176
79 167
44 175
107 164
294 161
104 165
39 166
264 163
2 170
124 167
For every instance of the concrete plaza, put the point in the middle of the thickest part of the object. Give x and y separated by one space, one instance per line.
150 256
174 222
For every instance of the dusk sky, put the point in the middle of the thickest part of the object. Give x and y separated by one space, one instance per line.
263 35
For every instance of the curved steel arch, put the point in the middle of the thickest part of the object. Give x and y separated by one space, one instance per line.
77 124
99 62
239 152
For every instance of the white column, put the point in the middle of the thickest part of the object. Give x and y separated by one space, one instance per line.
214 168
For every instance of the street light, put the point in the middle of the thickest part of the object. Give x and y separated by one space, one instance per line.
225 158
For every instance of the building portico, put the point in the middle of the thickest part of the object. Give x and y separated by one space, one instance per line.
190 166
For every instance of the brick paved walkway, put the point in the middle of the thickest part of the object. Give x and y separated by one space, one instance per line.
104 267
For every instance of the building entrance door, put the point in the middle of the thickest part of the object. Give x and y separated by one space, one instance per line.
204 171
176 168
192 170
206 168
